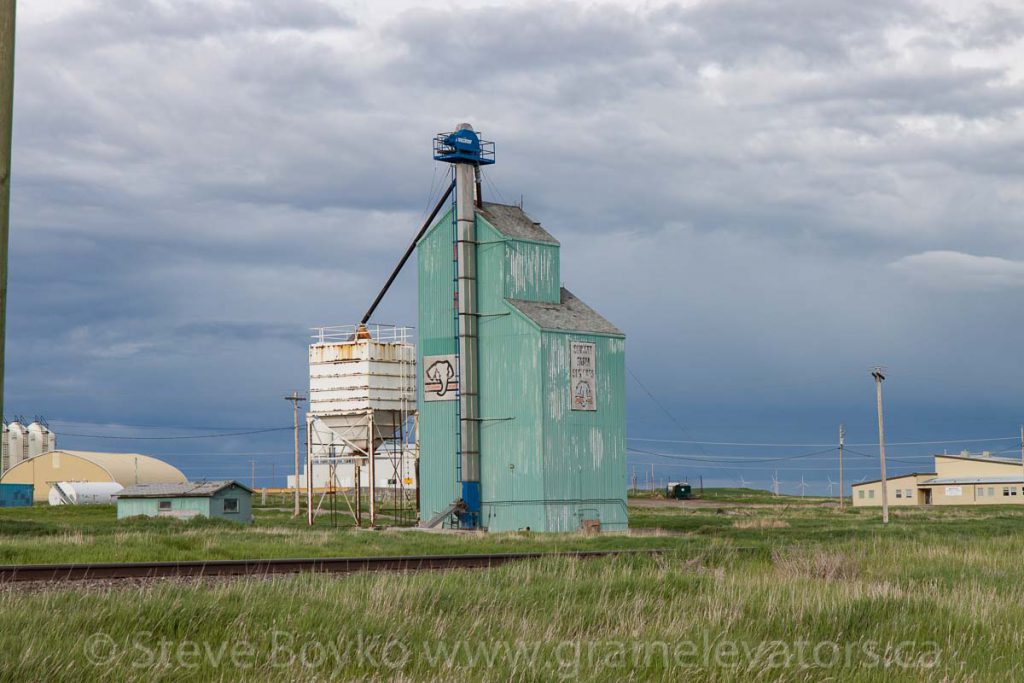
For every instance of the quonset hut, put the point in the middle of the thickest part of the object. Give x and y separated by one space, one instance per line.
521 392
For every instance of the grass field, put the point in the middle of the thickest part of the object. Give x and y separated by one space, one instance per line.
795 591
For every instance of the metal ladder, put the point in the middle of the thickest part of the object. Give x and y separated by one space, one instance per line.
447 515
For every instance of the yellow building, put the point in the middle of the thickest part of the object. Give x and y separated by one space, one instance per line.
964 479
127 469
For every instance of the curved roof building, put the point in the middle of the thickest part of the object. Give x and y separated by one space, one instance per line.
127 469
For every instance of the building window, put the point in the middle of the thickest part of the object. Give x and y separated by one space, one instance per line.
981 491
906 493
1013 490
991 490
860 494
165 505
871 493
230 505
1006 490
899 493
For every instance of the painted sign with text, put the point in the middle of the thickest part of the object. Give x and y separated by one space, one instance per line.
583 375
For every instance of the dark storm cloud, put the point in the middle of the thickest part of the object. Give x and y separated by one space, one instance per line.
759 191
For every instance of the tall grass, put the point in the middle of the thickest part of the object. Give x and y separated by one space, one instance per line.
891 610
785 593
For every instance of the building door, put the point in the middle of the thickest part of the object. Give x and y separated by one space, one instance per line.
926 496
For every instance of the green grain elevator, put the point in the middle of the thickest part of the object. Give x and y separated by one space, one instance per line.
522 385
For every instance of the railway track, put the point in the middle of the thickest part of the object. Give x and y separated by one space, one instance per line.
56 573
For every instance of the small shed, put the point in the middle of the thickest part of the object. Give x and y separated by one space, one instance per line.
15 495
222 499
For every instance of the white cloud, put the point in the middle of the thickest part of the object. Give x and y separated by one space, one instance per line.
957 271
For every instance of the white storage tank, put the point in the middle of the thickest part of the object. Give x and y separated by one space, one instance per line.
38 437
355 371
4 459
16 443
84 492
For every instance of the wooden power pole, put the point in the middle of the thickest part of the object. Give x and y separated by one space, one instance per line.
7 12
296 399
879 377
842 491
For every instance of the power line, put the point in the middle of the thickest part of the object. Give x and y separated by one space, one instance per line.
207 454
706 467
819 445
219 428
663 409
169 438
487 179
711 460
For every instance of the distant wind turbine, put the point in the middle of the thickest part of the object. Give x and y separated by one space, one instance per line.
743 482
775 483
831 484
803 486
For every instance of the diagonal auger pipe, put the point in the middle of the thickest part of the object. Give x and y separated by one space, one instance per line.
408 252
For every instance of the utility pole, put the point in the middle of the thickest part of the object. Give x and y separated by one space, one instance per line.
879 377
7 12
309 471
296 399
371 452
842 443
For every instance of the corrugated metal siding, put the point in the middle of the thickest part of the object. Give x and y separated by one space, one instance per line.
150 507
514 270
584 451
512 469
436 336
207 506
542 465
533 272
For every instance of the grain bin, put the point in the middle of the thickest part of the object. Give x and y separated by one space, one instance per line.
528 429
38 439
17 443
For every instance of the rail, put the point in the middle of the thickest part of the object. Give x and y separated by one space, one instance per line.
57 573
342 334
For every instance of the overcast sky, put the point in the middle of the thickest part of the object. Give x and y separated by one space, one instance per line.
769 198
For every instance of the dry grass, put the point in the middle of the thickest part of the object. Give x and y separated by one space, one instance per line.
816 564
760 523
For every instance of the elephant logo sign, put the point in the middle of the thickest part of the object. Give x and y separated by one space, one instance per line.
439 374
440 378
